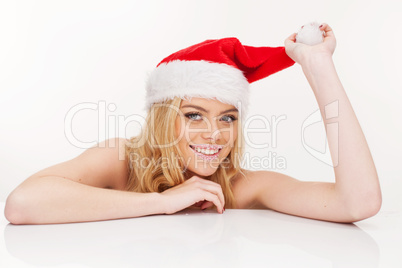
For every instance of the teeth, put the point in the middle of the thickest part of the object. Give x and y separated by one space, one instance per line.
206 151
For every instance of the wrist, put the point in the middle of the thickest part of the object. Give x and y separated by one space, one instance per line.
159 204
317 63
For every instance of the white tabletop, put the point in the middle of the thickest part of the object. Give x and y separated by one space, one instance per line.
238 238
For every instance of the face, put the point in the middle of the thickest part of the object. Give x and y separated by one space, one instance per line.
206 130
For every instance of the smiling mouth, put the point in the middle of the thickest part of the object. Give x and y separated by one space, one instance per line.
207 153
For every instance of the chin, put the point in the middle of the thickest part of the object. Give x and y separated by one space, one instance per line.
207 172
203 172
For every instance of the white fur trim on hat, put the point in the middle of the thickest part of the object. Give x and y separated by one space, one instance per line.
203 79
310 34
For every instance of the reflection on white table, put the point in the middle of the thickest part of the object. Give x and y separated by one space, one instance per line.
193 238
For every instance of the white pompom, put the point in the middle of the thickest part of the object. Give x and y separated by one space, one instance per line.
310 34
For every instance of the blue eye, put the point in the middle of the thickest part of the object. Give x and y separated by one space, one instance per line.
193 116
197 117
229 118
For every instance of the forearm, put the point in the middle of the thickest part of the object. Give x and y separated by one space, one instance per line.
356 177
58 200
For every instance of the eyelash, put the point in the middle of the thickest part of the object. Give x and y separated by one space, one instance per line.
189 115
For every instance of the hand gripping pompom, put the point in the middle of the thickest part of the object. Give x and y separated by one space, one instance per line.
310 34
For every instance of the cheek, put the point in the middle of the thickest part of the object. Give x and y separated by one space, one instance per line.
185 138
230 136
189 135
180 132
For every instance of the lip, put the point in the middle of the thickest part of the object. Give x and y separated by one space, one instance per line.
207 157
207 146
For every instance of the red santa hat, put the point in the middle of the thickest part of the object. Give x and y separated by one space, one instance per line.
217 69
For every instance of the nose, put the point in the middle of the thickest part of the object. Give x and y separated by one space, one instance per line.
212 132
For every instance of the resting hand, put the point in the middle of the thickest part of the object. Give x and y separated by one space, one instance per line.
300 53
194 191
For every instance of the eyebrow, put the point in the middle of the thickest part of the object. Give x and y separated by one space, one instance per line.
206 111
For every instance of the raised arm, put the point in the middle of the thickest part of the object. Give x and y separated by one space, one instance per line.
356 193
356 177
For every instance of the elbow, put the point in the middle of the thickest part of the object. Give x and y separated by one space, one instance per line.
15 210
365 207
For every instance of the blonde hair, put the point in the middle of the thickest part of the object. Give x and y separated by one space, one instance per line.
155 161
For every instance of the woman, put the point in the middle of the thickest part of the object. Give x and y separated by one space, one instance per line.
188 155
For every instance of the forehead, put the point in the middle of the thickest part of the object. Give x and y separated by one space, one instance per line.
209 104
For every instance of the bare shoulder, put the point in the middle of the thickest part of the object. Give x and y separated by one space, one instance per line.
103 165
247 187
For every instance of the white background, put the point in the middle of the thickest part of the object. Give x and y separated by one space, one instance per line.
55 55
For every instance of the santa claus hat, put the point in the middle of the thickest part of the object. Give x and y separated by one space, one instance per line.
220 69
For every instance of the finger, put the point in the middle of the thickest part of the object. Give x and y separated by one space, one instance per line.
292 37
199 203
217 191
214 199
290 40
213 188
327 30
206 205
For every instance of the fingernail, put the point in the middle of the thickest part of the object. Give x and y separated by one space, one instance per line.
320 26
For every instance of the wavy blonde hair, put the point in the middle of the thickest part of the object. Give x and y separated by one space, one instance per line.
155 161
